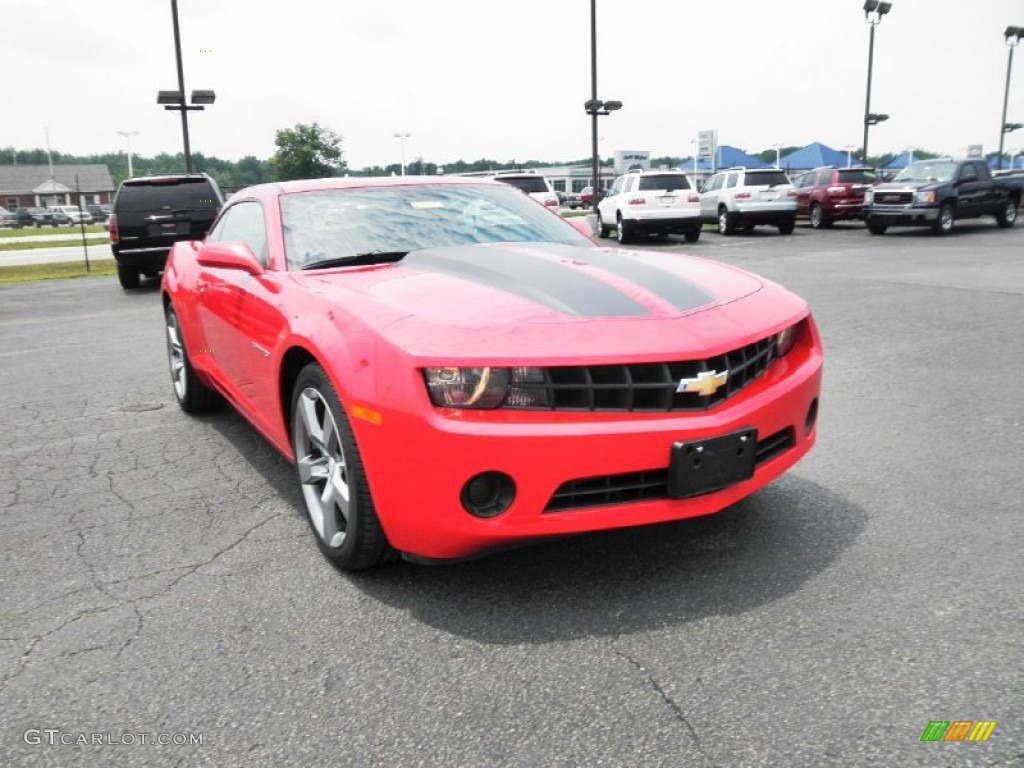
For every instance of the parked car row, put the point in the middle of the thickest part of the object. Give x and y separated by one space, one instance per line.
54 216
934 192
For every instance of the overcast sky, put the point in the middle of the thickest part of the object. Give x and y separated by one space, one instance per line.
475 78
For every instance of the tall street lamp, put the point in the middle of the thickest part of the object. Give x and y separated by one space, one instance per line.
401 140
595 107
175 100
873 13
128 139
1013 37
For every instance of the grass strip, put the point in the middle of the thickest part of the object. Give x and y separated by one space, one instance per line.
27 231
31 273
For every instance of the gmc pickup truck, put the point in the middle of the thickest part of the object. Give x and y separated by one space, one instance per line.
935 193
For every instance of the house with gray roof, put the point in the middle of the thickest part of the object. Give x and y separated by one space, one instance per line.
28 186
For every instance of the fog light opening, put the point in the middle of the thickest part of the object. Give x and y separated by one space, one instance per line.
488 494
812 417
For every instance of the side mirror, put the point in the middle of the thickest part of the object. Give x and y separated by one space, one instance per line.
230 255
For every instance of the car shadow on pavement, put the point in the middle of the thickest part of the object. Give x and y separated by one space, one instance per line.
632 580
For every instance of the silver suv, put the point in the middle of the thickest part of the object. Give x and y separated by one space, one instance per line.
742 198
650 202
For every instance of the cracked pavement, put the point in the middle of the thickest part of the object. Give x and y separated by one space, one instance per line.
158 576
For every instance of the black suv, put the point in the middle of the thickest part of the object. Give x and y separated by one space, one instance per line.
151 213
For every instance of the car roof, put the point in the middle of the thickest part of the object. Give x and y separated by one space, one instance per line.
164 178
319 185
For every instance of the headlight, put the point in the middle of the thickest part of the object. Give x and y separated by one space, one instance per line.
784 340
924 197
869 195
486 387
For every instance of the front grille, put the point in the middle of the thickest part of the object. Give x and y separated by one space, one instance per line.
894 198
647 485
645 387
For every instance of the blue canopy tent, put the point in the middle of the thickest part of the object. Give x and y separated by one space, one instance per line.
815 155
725 157
1009 162
899 162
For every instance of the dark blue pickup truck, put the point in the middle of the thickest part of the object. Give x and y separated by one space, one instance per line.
935 193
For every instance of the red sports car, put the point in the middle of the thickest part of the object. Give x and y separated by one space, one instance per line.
454 369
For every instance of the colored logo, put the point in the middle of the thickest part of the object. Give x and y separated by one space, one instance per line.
706 383
958 730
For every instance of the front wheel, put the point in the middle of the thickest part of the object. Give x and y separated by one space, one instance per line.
192 395
692 236
602 230
787 227
875 228
624 230
331 477
818 218
1007 217
725 225
944 224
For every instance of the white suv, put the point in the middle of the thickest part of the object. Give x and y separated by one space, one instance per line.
650 202
745 197
73 212
533 184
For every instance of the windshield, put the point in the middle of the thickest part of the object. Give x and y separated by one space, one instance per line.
342 223
928 170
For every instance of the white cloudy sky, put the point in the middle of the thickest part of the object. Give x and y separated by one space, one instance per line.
477 78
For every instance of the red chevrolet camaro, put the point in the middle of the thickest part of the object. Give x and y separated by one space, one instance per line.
454 369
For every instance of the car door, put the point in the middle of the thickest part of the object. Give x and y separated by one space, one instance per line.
709 199
239 313
802 187
971 191
609 204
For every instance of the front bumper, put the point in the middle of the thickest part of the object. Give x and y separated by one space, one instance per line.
418 465
901 215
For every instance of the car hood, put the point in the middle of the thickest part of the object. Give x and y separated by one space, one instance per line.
890 186
516 298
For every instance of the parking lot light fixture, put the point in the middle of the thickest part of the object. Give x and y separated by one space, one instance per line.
1012 37
128 139
873 13
401 140
175 100
594 107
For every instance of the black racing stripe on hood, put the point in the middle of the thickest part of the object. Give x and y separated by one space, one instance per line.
681 293
557 286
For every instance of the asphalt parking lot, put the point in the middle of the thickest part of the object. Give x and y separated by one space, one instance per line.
158 576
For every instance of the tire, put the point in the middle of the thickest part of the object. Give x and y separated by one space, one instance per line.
623 230
947 217
1007 217
692 236
818 218
128 277
787 227
874 228
331 477
192 395
602 230
725 224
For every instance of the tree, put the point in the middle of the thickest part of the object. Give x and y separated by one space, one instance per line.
306 152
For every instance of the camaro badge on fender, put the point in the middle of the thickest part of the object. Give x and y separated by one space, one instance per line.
706 383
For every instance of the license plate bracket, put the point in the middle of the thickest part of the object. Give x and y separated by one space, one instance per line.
704 466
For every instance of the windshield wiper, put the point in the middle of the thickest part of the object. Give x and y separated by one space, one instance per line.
369 257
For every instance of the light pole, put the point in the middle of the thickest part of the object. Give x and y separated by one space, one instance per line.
696 146
1013 37
128 139
175 100
778 155
873 13
595 107
401 140
849 154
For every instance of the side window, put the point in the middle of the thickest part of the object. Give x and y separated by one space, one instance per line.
968 173
617 186
244 221
824 178
715 184
803 180
731 180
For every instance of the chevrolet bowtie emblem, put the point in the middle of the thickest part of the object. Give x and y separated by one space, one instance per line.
706 383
